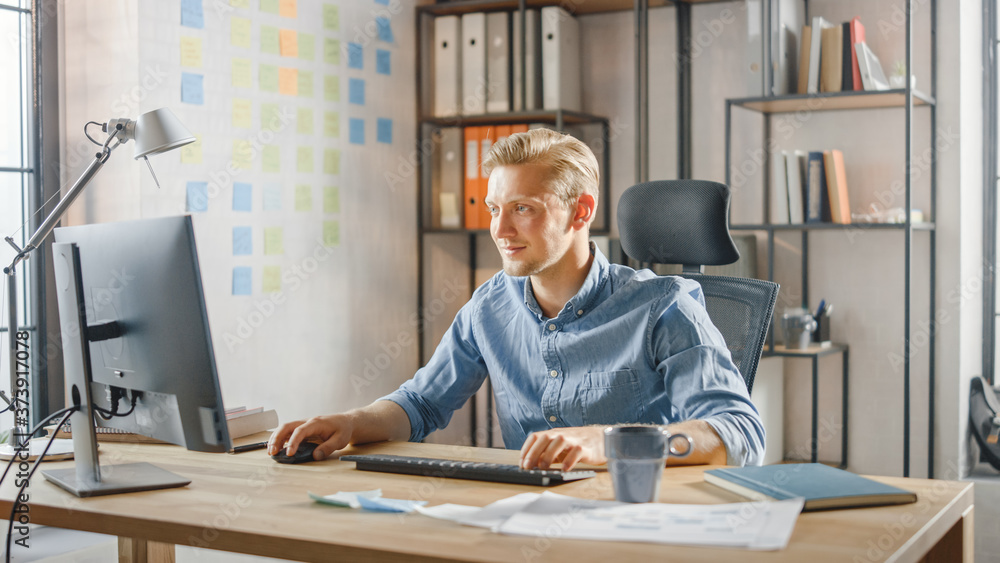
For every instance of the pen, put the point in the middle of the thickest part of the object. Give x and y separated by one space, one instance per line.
248 447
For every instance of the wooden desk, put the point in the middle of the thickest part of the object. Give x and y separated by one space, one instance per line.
246 503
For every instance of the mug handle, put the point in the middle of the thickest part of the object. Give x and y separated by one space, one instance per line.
673 450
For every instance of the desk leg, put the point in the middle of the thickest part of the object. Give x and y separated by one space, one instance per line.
133 550
958 545
844 415
815 409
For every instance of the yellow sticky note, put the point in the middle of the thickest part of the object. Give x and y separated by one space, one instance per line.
272 279
268 77
269 40
241 73
287 8
331 199
303 198
241 113
269 6
331 161
331 233
331 124
273 241
307 46
271 156
289 40
305 85
239 3
288 81
191 51
331 88
191 153
241 154
304 160
331 51
304 121
331 17
239 32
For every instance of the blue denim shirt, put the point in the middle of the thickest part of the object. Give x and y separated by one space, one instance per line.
629 347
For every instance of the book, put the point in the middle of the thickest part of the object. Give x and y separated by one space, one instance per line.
240 423
846 50
821 486
779 190
795 162
818 25
836 186
804 59
831 59
817 206
857 35
872 77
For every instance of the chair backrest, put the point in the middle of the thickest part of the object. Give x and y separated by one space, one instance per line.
687 222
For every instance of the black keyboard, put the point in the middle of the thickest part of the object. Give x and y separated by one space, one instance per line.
475 470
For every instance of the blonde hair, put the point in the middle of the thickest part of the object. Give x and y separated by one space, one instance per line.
573 166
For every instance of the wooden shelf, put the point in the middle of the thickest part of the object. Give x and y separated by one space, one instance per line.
588 7
509 117
923 226
813 350
830 101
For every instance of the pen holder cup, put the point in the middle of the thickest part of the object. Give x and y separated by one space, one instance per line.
798 326
822 333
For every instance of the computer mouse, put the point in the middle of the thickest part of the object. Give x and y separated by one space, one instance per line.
302 455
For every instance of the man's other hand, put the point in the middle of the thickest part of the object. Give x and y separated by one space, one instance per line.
567 446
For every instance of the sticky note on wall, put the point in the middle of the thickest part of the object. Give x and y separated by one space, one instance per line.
192 14
239 32
242 196
241 73
303 198
331 51
242 241
331 233
331 199
242 280
272 197
305 86
273 241
192 88
288 81
331 17
307 46
197 197
268 76
271 279
289 40
331 161
191 152
331 124
191 51
304 160
331 88
242 113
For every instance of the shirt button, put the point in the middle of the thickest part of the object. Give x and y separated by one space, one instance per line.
552 327
580 312
554 373
552 419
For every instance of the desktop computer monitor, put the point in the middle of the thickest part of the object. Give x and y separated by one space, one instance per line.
136 345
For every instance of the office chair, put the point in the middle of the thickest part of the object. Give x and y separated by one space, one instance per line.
686 222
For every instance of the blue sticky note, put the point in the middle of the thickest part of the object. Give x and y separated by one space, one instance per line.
242 194
197 197
383 2
357 91
242 241
272 197
384 30
383 130
242 276
382 62
357 127
192 88
192 14
355 57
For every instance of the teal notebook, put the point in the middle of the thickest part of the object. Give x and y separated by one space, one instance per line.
821 486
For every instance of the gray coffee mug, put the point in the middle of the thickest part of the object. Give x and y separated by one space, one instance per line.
636 458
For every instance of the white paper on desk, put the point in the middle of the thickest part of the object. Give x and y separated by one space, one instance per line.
746 525
489 516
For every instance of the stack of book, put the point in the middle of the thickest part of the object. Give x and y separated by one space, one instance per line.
808 187
240 420
835 58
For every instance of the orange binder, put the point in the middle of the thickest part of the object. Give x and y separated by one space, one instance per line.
488 136
472 174
836 186
518 128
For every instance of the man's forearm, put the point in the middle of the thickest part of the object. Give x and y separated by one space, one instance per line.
379 421
708 447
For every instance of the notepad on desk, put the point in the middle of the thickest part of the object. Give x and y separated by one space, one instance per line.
821 486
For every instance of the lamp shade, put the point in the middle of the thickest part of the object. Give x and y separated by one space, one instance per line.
159 131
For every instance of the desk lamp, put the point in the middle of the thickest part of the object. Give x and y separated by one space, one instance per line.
154 132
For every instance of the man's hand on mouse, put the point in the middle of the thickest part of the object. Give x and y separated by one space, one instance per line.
333 431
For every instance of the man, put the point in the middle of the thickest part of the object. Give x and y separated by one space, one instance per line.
570 342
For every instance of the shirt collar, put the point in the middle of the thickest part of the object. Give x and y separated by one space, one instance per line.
578 306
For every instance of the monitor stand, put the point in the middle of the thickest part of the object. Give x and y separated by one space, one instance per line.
86 479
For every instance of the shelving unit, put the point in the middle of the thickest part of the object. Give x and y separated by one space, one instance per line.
906 99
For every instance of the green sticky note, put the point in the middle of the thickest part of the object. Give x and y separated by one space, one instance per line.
271 155
191 152
239 3
272 279
241 113
270 6
269 117
239 32
241 73
269 42
269 78
331 17
303 198
331 88
331 124
307 46
306 83
304 121
274 241
304 160
331 199
331 51
331 233
331 161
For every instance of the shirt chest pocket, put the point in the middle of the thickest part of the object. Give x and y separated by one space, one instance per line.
610 397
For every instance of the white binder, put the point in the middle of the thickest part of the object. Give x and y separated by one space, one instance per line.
530 75
447 180
779 190
447 63
474 63
560 60
498 62
795 163
818 25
